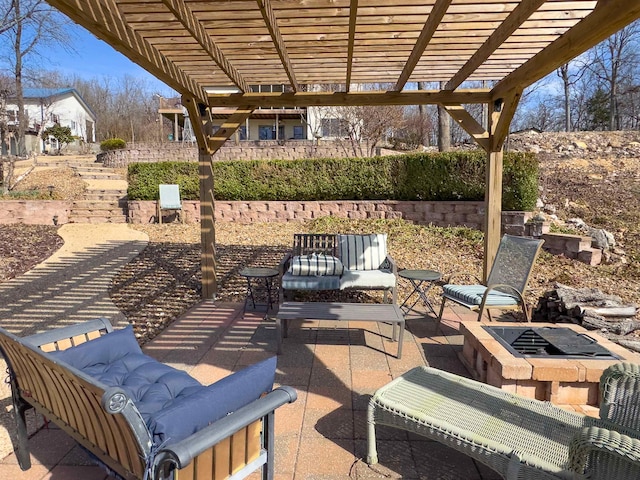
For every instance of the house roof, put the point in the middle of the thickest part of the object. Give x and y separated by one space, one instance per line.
51 93
194 46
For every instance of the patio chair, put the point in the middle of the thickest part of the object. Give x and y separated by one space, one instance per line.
518 437
169 199
506 284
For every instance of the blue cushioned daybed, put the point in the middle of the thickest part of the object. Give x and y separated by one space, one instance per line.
137 416
338 262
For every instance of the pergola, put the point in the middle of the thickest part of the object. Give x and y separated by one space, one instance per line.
200 47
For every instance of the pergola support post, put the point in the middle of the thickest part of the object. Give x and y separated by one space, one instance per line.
208 145
500 113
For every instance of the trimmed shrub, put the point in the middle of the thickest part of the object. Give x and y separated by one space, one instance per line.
144 179
443 176
112 144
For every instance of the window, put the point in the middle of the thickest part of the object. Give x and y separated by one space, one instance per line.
268 132
333 127
242 132
73 125
298 132
54 118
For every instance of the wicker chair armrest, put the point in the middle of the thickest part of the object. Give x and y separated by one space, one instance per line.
69 332
180 454
618 447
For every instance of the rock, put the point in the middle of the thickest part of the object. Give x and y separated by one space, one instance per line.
580 144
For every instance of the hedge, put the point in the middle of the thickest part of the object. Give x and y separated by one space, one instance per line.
442 176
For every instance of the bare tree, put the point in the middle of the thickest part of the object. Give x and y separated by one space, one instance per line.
34 26
444 128
569 76
612 61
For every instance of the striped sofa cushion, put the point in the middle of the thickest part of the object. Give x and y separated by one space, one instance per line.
363 252
316 264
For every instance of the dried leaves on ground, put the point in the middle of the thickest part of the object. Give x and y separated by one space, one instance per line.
22 247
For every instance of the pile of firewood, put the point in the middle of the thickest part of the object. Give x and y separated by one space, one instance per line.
590 308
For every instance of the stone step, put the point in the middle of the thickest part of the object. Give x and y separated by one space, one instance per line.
100 176
120 198
98 205
77 218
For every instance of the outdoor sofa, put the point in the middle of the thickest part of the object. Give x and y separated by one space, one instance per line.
338 262
139 418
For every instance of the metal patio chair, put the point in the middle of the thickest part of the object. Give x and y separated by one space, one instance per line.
507 281
169 199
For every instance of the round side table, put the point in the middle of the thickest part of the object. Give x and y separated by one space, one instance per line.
257 278
422 281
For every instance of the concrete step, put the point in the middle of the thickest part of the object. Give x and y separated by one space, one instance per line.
100 205
99 175
77 218
102 195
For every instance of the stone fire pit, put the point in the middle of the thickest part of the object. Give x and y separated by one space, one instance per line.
561 379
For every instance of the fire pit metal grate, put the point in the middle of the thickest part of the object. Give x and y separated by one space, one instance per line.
556 342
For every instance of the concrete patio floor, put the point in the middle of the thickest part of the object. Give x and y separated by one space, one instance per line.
335 370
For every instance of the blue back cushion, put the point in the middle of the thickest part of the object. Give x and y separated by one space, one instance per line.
173 404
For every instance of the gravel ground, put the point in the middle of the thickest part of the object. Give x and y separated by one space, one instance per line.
164 280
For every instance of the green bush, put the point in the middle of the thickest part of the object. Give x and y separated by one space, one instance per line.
112 144
445 176
144 179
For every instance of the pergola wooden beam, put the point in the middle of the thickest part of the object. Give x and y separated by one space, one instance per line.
105 21
608 17
182 12
272 25
430 27
353 20
516 18
339 99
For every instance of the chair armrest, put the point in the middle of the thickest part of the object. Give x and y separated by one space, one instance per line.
182 453
72 331
392 265
503 287
454 276
283 266
618 447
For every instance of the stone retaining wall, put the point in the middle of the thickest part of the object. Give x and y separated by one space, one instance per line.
244 150
34 212
444 214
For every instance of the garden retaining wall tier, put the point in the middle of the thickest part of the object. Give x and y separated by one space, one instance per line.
244 150
441 214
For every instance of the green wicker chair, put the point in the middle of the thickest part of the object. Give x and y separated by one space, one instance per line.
506 284
520 438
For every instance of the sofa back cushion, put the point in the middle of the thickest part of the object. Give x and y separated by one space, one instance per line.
316 264
363 252
173 404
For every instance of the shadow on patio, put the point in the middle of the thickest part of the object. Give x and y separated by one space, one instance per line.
334 369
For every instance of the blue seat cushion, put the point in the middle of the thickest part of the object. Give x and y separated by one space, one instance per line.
472 295
173 404
310 282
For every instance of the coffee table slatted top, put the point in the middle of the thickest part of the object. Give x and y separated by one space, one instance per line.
346 312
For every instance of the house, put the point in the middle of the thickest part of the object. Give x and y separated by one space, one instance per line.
45 107
268 123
